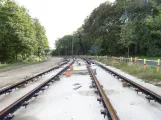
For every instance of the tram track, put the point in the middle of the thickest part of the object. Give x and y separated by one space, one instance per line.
24 101
10 88
108 110
149 94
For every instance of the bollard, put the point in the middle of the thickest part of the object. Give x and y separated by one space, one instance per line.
135 60
67 73
158 68
131 59
144 63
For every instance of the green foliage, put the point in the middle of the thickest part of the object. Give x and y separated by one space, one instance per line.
112 29
41 39
64 45
128 35
154 23
18 33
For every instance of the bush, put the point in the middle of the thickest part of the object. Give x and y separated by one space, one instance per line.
33 59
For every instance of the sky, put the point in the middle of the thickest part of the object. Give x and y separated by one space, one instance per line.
60 17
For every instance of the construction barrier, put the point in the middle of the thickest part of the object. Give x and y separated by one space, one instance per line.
131 59
144 63
68 73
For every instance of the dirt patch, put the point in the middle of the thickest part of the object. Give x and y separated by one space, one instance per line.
158 84
16 75
110 92
87 93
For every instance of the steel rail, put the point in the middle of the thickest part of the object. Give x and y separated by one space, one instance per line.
17 104
110 111
150 94
10 88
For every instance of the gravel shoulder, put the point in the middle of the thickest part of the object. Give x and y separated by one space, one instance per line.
13 76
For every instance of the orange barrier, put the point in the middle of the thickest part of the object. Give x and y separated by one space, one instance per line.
144 66
68 73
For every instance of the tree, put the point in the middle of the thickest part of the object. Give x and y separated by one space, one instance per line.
112 29
127 35
42 42
17 33
154 23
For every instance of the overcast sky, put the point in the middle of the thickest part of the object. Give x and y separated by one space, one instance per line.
60 17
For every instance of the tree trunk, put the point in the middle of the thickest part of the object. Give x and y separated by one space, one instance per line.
135 49
128 51
72 47
81 45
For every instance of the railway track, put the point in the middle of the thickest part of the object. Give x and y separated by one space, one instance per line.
26 81
7 113
108 108
150 95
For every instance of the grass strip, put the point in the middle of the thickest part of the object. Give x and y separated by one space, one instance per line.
150 74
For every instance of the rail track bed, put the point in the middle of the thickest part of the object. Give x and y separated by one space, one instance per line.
7 99
108 110
150 95
16 91
70 98
85 95
10 88
128 104
30 93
